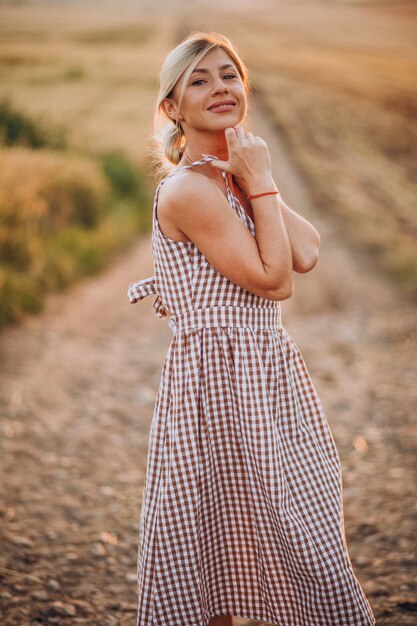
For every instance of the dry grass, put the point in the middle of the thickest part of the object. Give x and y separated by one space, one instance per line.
94 71
42 190
338 79
93 76
340 87
62 216
45 196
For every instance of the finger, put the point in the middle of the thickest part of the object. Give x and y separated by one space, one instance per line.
240 132
220 165
230 134
231 139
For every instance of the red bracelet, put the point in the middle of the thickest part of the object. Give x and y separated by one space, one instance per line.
257 195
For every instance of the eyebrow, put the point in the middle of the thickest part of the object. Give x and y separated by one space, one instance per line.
203 70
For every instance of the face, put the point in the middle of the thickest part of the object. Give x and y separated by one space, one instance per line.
205 88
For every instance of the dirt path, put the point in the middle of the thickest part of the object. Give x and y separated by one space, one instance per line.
77 392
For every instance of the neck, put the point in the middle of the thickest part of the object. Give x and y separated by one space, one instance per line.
213 143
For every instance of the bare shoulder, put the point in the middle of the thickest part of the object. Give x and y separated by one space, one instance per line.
169 192
178 195
184 185
195 206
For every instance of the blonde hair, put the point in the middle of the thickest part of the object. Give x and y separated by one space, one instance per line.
167 139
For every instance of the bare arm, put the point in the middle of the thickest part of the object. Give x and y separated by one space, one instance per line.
261 264
272 238
199 209
304 238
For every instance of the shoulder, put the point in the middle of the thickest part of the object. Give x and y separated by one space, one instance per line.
194 203
178 197
185 187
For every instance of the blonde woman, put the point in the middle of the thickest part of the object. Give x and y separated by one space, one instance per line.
242 505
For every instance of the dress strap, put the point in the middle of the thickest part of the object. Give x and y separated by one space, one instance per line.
210 157
206 158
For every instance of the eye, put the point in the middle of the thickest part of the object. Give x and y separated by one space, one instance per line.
198 80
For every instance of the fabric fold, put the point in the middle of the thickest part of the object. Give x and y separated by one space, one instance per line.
146 287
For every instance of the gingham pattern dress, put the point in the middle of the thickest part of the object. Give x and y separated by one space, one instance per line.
242 504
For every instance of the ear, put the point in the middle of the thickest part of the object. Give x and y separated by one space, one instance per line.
170 108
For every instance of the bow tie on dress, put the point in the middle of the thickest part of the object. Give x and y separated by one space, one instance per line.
146 287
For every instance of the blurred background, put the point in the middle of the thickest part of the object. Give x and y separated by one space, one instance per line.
335 97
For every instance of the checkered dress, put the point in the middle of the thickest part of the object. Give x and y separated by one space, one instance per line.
242 508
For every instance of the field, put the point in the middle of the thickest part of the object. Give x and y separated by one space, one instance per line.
339 84
338 81
334 96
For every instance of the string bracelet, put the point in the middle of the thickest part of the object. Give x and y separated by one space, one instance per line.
257 195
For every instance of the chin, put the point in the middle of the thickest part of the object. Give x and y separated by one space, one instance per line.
231 120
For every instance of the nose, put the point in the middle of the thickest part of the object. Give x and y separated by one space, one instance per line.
219 85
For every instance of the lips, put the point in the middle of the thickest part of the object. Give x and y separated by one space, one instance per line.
218 104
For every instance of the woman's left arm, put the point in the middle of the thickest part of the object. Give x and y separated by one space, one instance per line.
304 239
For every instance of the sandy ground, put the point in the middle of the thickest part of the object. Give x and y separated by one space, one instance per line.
77 392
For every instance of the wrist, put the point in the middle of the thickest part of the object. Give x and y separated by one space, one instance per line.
260 185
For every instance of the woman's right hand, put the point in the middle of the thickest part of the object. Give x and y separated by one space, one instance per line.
249 157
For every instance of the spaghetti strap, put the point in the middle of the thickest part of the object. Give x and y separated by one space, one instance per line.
206 159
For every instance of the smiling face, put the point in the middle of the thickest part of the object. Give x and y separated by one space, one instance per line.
215 79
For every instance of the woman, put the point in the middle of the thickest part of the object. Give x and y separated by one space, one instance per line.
242 509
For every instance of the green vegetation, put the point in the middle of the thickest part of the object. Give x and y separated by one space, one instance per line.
63 215
75 73
16 128
122 174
